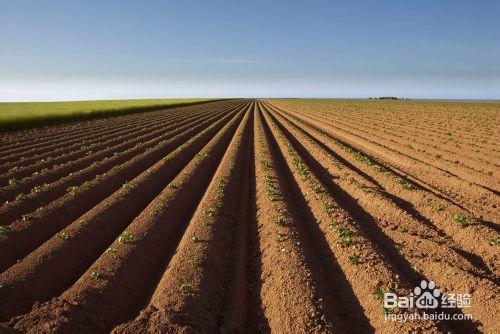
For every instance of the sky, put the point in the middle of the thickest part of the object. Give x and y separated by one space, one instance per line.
89 49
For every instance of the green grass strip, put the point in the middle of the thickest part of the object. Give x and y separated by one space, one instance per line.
25 115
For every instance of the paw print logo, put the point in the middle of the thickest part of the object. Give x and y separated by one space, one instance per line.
427 295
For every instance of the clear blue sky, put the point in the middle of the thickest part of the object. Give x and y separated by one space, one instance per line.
58 50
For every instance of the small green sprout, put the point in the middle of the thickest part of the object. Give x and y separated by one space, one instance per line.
379 291
21 197
280 237
406 185
129 185
493 241
265 164
209 212
196 239
185 288
194 263
64 235
328 208
462 221
4 229
316 188
125 238
27 216
355 258
345 236
95 275
13 181
279 221
439 207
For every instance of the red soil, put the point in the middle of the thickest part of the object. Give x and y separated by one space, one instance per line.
248 216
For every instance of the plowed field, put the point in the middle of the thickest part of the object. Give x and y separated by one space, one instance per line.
287 216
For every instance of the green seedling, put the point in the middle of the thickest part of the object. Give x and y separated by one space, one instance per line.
4 229
493 241
280 237
13 181
64 235
209 212
344 231
265 164
333 224
280 221
379 292
85 185
462 221
95 275
185 288
125 238
207 223
111 250
271 192
328 208
403 229
202 155
72 190
345 241
196 239
363 159
345 236
158 209
194 263
316 188
440 207
355 258
129 185
21 197
116 168
301 167
27 216
37 189
406 185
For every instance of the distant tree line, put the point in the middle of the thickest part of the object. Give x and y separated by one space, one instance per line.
388 98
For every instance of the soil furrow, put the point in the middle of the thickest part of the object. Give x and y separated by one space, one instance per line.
353 261
97 304
413 254
457 163
291 301
190 293
76 172
481 253
479 201
94 231
51 157
107 125
25 235
260 216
